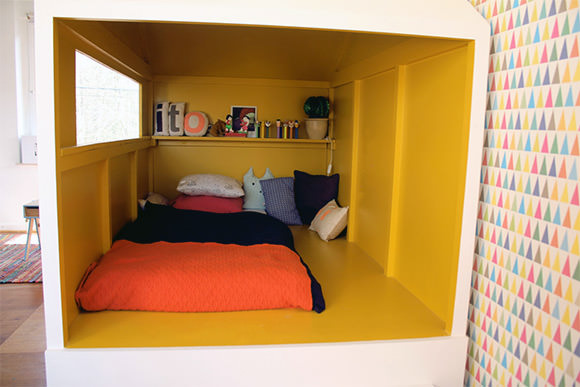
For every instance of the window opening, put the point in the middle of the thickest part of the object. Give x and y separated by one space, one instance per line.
107 103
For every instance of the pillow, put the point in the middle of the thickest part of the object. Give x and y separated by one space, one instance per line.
208 203
154 198
176 112
195 124
330 221
254 198
210 185
312 192
279 195
161 119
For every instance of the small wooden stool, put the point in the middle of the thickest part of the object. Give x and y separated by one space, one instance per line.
31 213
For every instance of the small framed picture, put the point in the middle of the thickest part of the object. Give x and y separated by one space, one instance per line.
244 118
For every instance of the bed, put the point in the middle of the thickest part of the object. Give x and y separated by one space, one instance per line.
173 260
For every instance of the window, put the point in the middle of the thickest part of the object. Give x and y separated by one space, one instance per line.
107 103
22 39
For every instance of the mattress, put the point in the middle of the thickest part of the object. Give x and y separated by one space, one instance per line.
174 260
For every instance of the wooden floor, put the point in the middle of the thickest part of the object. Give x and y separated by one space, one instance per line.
22 339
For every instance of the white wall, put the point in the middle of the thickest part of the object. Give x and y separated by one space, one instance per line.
18 182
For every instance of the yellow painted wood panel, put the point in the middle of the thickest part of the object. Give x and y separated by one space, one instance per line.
273 52
95 41
434 149
81 230
91 207
397 166
142 165
375 164
343 134
146 107
362 304
78 156
222 50
173 161
406 51
120 185
64 87
101 43
215 97
353 211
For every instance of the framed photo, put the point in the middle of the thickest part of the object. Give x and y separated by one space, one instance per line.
244 118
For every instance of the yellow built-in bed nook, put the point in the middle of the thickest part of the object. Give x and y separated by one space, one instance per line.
398 136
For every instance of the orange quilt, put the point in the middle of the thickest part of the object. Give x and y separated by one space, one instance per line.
195 277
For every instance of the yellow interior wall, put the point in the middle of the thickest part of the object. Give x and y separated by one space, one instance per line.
97 42
404 52
81 221
64 85
375 164
274 99
145 172
173 160
97 184
97 196
343 135
122 201
432 178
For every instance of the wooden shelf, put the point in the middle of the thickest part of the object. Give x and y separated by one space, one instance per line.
243 139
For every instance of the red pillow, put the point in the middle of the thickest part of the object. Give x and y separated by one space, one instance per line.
208 203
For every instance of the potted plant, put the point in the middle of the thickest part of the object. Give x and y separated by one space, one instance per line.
317 109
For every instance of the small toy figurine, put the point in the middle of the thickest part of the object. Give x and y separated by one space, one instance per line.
229 123
244 124
285 130
218 129
278 129
296 125
267 134
290 129
256 132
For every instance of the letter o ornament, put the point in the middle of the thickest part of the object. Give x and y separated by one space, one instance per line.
195 124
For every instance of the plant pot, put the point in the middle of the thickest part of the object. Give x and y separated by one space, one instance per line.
316 128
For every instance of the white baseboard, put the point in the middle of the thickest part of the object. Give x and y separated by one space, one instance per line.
13 227
419 362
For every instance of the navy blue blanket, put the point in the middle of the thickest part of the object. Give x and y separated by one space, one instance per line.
158 223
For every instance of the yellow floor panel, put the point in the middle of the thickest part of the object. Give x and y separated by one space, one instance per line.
362 304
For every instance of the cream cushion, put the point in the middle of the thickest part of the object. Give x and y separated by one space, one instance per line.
211 185
330 221
155 198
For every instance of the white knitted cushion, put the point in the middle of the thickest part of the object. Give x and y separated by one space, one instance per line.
211 185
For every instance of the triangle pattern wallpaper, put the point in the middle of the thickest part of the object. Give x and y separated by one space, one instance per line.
524 312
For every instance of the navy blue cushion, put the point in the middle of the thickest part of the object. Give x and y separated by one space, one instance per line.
312 192
279 195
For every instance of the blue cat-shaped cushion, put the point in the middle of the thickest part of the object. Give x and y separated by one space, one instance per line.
254 198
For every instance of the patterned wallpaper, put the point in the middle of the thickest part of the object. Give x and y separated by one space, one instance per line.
524 313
